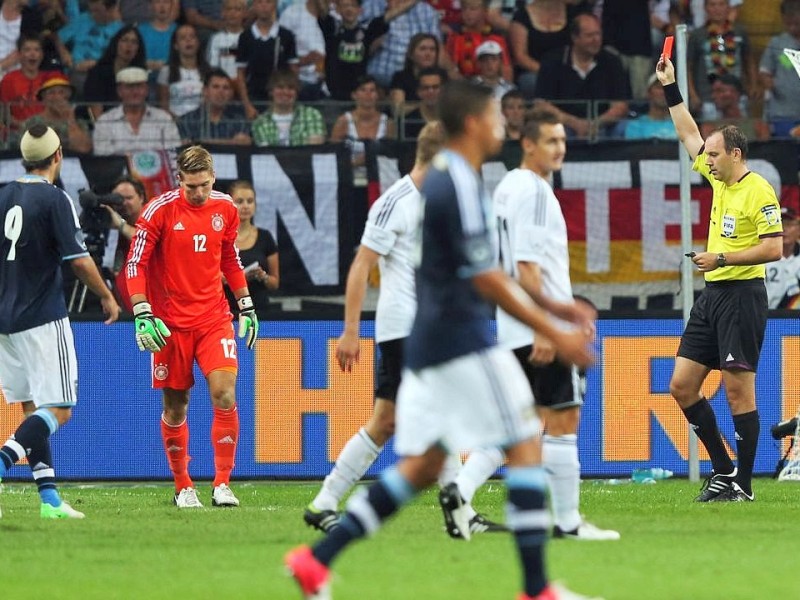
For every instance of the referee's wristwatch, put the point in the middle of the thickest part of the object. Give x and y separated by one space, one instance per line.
721 260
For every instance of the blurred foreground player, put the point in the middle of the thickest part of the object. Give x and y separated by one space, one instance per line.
459 391
183 245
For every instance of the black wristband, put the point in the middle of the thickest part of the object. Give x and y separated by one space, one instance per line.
672 94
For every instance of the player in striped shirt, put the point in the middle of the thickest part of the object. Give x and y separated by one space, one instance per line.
183 246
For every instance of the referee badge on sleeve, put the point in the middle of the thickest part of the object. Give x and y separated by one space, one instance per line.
772 214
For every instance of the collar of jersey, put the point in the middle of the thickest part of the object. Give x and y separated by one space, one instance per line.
32 178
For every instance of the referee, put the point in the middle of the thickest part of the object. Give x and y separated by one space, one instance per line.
726 325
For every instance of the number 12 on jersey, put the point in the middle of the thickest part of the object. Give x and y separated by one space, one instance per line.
199 242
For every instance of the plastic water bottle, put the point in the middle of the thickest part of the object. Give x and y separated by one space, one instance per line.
650 475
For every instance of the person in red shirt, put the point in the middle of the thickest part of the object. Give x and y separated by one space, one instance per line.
185 242
19 87
474 30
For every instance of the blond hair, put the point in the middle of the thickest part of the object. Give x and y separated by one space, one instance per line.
195 159
429 141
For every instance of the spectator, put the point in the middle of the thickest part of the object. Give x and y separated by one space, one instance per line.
698 12
288 123
489 56
585 72
429 87
222 46
364 122
216 121
134 126
626 28
45 18
449 12
258 251
180 81
423 53
301 18
126 49
82 41
59 114
134 198
783 275
512 106
204 15
263 48
157 32
726 94
467 36
662 16
10 29
140 12
656 122
719 47
18 88
778 75
391 50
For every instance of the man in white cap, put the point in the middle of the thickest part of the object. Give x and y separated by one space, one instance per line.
134 126
38 368
489 58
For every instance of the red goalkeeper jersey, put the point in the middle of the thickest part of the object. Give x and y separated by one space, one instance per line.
178 256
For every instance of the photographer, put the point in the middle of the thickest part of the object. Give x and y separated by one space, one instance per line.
123 219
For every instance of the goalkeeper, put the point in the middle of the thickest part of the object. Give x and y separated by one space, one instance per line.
183 245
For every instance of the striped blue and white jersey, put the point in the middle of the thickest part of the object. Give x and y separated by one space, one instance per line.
391 232
452 319
41 230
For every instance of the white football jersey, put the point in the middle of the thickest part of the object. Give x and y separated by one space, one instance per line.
783 279
530 228
391 232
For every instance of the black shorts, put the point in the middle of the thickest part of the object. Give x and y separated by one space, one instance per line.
726 325
390 367
555 385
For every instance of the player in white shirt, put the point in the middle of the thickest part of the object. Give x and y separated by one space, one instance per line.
389 240
783 275
534 250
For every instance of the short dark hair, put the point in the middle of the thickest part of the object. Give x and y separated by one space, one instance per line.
216 72
431 71
534 119
29 37
283 77
37 131
733 138
575 24
461 99
514 94
365 80
138 186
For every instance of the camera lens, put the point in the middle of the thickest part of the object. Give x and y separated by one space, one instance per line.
784 428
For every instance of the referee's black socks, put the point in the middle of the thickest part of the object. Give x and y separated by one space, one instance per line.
747 426
701 416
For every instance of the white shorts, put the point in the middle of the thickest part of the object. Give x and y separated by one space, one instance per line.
478 400
39 365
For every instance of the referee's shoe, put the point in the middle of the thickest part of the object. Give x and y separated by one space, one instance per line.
715 486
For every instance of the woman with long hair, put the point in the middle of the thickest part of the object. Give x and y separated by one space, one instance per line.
424 51
180 81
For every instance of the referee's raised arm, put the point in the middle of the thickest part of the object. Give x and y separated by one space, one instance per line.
687 129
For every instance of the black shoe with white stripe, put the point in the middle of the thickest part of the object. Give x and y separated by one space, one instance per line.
735 494
323 520
480 524
715 486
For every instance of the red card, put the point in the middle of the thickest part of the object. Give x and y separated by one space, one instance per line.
666 52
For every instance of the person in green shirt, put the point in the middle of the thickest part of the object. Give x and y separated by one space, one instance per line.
288 123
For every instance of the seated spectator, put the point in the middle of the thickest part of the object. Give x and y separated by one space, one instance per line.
626 28
467 37
512 105
126 49
180 81
430 85
423 53
157 32
288 123
221 49
783 275
585 72
10 29
204 15
134 126
18 88
216 121
364 122
656 123
490 68
778 76
82 41
391 50
134 198
59 113
263 48
257 249
720 47
726 94
301 18
44 18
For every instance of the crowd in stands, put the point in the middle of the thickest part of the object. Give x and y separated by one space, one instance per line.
115 76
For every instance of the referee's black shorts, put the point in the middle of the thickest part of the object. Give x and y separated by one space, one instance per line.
554 386
390 367
726 325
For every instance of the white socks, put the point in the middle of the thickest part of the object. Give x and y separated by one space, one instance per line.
560 460
356 457
481 464
451 467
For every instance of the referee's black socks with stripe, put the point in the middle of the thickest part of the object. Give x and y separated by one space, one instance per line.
747 426
701 416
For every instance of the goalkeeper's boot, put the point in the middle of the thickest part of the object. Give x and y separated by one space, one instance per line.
586 532
480 524
455 511
62 511
715 485
735 494
311 575
222 495
187 498
555 591
324 520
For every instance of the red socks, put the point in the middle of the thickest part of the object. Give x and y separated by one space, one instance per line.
176 445
224 437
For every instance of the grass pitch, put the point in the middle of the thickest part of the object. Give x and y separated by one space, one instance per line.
135 544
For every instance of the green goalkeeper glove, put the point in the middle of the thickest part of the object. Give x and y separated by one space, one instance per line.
151 333
248 321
